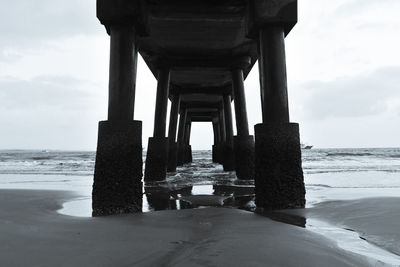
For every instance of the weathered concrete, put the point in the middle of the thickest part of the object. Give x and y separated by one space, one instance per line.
227 151
242 124
181 141
157 149
244 157
160 114
278 172
214 153
173 145
122 78
216 140
117 186
272 64
243 142
172 156
156 159
279 182
187 147
188 154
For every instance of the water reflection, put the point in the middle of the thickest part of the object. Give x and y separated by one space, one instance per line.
164 197
236 195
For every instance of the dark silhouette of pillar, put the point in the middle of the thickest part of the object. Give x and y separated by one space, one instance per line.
216 140
181 133
222 130
187 147
117 186
173 145
157 150
279 182
190 154
228 155
243 142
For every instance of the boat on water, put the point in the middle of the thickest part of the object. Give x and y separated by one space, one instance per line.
304 146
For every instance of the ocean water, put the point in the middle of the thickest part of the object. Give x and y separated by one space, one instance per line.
315 161
330 174
367 168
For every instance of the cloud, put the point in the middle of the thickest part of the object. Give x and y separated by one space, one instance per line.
60 92
349 8
58 112
366 94
27 24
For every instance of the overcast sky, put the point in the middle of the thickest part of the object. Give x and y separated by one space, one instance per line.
343 64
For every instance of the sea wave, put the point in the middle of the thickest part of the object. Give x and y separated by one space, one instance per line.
314 161
345 154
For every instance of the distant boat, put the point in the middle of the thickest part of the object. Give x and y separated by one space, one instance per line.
304 146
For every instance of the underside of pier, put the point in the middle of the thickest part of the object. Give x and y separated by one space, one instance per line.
200 52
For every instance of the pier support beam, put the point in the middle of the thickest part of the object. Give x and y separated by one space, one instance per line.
173 145
243 142
181 141
279 182
117 186
216 140
188 148
228 155
222 130
157 150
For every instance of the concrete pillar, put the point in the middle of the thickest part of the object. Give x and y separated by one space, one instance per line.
117 186
173 145
243 142
216 140
157 150
228 155
187 147
222 130
181 133
190 154
279 182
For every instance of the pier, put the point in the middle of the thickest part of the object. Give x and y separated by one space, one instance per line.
200 52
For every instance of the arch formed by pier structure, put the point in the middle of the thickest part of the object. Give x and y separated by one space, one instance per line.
200 51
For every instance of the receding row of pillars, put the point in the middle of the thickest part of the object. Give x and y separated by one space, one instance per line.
277 157
164 154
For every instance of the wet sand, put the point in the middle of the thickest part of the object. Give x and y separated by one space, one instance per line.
34 234
376 220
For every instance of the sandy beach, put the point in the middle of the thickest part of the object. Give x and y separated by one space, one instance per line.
375 219
34 234
351 217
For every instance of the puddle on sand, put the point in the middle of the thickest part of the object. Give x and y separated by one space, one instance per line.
158 197
198 184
